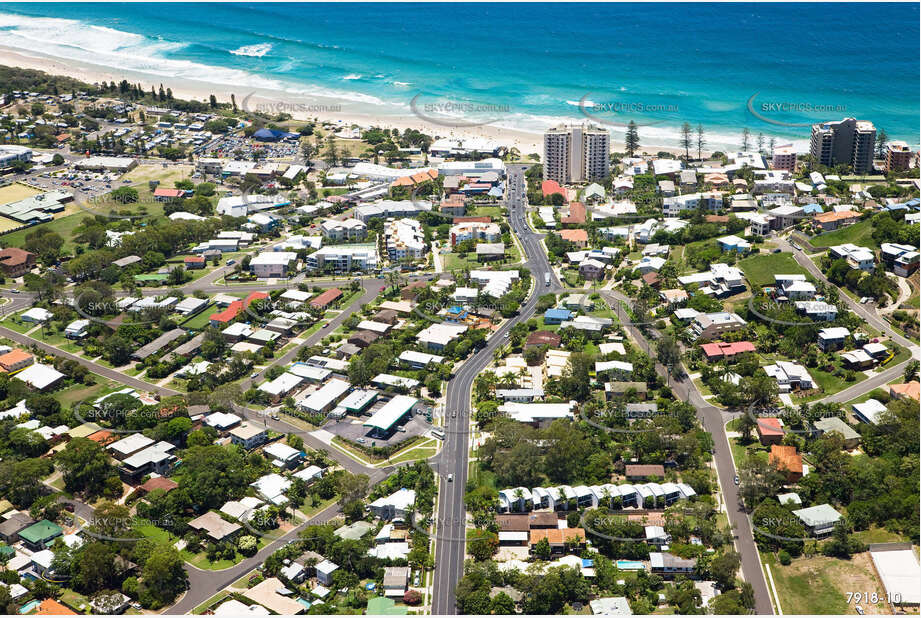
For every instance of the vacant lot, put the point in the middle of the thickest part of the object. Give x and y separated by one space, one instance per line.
819 585
860 234
760 269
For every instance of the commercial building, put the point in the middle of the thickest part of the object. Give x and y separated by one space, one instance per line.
391 414
576 153
848 141
107 164
404 239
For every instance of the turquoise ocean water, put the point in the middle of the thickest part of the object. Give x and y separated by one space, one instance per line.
521 65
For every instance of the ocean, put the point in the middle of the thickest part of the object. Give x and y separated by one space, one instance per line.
772 68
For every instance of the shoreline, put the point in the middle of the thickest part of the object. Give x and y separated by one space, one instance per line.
344 111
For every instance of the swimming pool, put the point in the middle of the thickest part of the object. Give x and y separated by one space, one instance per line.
28 607
630 565
304 602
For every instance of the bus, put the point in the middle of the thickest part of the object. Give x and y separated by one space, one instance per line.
438 433
547 279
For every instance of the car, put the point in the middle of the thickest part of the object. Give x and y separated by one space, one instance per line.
254 376
505 335
454 414
383 287
360 440
736 479
325 324
416 580
231 262
776 251
450 478
275 416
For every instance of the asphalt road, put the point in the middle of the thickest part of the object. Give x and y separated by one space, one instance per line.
451 518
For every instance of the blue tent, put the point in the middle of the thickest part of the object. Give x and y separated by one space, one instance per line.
272 135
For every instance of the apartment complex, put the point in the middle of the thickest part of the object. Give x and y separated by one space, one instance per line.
404 239
576 153
847 141
898 156
784 158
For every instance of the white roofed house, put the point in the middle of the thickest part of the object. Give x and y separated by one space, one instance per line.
272 488
790 376
832 338
858 258
395 507
517 500
795 287
712 325
347 229
281 386
618 370
816 310
77 329
537 414
248 435
437 336
324 399
281 455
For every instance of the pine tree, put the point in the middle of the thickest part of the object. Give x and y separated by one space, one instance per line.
686 140
701 142
632 139
746 139
881 140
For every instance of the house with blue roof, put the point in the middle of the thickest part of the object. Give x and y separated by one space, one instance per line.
556 316
812 209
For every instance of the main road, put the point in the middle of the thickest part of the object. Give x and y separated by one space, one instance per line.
450 545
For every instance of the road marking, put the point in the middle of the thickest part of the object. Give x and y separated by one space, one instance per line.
776 598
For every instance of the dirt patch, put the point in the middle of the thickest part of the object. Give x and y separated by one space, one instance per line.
820 585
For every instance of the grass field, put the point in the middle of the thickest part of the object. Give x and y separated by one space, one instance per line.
819 585
860 234
15 192
760 269
200 320
64 224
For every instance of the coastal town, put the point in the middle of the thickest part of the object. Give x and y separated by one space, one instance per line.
254 364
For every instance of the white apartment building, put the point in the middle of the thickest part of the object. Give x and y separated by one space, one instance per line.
344 258
272 263
349 229
576 153
404 239
474 230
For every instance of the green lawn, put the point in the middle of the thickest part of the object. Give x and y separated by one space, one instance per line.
220 596
760 269
78 392
819 585
201 320
860 234
13 323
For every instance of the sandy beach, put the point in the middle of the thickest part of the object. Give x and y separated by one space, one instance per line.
300 106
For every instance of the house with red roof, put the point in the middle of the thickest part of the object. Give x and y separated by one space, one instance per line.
577 237
719 350
549 187
327 298
770 430
194 262
576 214
162 194
234 309
786 460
